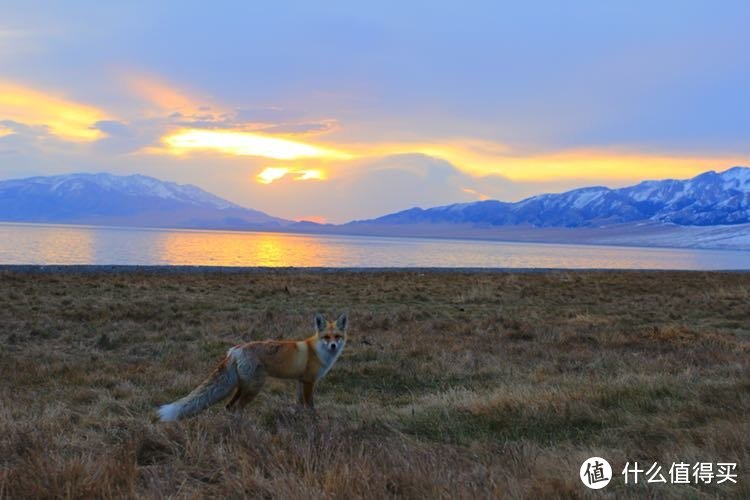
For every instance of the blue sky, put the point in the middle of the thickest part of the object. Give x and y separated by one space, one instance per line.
338 110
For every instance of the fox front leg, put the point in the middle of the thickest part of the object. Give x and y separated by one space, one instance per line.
305 394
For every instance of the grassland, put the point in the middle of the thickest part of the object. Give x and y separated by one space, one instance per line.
452 384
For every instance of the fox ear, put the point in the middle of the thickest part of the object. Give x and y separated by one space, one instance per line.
342 322
320 322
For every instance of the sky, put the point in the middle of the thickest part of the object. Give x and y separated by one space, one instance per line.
333 111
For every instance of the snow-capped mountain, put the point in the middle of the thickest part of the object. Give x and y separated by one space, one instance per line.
708 199
133 200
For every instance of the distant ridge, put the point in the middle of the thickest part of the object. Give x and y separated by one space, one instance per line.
707 199
711 210
133 200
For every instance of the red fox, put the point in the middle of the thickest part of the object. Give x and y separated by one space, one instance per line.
245 367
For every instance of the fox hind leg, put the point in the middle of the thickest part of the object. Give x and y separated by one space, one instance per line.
235 397
250 379
247 390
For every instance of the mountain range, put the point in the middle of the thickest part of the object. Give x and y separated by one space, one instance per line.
709 210
134 200
708 199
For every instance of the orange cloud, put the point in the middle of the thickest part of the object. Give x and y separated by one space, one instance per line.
475 157
480 158
313 218
67 119
159 93
476 193
605 165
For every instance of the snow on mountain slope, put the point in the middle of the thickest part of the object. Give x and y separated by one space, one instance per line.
125 200
708 199
133 185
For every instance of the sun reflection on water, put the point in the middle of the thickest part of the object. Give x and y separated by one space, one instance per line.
245 249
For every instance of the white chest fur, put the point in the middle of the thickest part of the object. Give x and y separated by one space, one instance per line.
327 358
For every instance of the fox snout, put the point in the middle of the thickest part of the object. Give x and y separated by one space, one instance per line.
333 347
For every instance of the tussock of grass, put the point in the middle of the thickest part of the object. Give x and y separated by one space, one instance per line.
452 384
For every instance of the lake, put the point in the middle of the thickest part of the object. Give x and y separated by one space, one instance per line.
63 244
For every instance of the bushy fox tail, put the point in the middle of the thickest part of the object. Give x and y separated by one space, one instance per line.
215 388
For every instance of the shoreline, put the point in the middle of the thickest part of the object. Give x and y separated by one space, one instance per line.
188 269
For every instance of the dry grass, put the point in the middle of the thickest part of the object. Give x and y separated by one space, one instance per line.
452 385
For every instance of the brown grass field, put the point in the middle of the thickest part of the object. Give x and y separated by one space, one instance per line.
452 385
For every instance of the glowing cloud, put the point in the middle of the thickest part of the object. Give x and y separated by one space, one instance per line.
474 157
313 218
246 144
308 175
67 119
476 193
480 158
271 174
602 164
160 94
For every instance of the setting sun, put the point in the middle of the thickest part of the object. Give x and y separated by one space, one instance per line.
271 174
308 175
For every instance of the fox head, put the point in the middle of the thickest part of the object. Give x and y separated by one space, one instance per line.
332 334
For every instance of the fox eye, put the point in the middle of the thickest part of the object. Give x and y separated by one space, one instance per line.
338 337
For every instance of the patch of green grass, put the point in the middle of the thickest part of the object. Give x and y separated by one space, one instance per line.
638 399
462 426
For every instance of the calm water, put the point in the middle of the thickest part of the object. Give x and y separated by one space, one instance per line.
47 244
